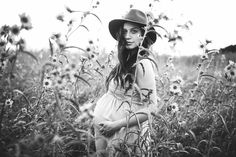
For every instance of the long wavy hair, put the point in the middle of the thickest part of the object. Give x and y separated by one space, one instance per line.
123 72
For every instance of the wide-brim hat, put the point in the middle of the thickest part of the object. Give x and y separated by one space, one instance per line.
134 16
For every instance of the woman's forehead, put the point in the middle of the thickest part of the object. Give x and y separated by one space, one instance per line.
129 25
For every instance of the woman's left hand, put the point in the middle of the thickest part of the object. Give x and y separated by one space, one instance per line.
108 128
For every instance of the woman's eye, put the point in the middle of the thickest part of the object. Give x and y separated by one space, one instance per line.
133 31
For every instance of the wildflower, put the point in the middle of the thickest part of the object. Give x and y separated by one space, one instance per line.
54 72
170 66
69 10
59 82
88 49
21 44
54 58
170 60
230 74
15 30
204 57
173 108
81 117
4 30
24 110
182 123
86 107
56 36
11 39
25 21
3 64
195 83
199 66
47 83
56 139
230 71
178 79
175 89
90 42
60 18
2 44
9 102
61 43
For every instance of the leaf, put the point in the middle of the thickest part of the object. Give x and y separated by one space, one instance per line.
84 131
44 68
139 62
18 91
180 152
193 135
21 93
74 105
141 58
216 148
40 124
192 148
213 51
202 141
123 103
69 47
84 27
95 16
51 46
64 57
77 76
138 90
31 55
207 75
161 28
223 121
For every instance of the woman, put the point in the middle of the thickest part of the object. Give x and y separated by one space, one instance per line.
122 113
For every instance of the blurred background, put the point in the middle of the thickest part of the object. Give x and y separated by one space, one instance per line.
210 20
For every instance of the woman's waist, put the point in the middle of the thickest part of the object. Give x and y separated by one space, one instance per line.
128 96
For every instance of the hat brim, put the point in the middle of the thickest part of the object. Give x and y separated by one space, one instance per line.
115 25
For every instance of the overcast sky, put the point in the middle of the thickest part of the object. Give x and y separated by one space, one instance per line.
212 19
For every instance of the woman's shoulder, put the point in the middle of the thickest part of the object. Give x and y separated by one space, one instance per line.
147 63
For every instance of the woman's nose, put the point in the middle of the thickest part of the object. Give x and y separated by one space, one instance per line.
127 35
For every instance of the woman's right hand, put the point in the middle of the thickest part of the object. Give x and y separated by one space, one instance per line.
107 128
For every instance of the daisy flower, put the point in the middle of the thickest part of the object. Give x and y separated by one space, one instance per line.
4 30
24 110
204 57
230 71
54 58
25 21
9 102
175 89
3 64
15 30
173 108
47 83
178 79
2 45
56 139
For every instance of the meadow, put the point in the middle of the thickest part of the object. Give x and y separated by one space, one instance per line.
47 100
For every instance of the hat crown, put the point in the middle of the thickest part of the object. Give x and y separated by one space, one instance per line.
136 16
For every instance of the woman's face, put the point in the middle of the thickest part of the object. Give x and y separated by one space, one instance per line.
132 35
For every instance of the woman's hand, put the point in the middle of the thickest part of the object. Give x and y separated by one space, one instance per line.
108 128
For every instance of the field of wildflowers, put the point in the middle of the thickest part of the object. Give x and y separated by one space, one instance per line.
47 99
